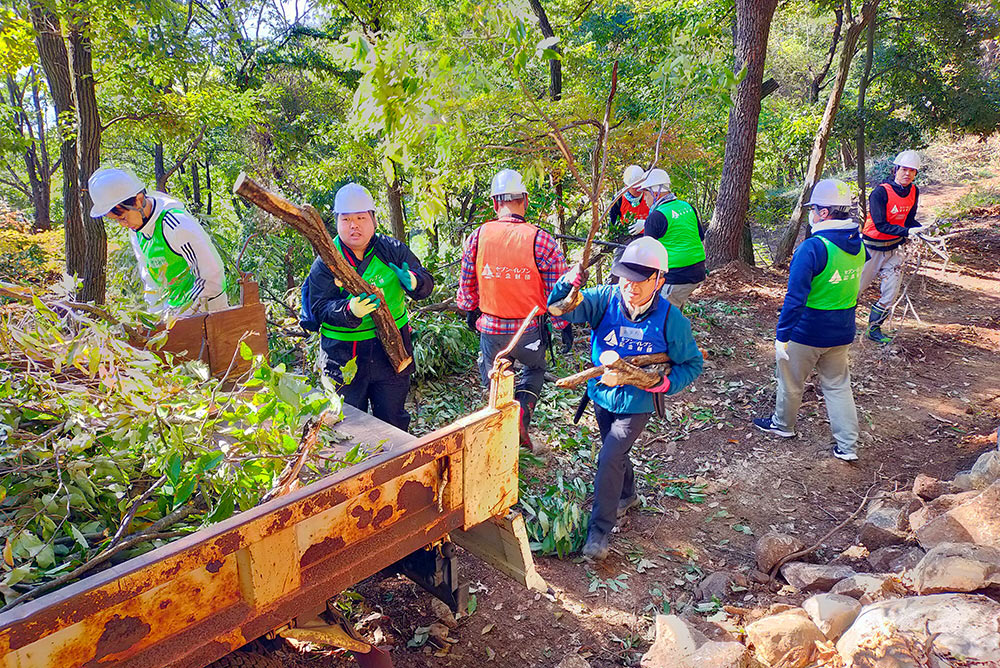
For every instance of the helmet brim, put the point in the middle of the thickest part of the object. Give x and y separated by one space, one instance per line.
636 274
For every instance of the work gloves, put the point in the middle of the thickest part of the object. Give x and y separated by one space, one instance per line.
576 276
470 319
637 227
915 230
567 339
780 350
406 277
363 304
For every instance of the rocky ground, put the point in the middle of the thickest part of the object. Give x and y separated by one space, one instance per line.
693 575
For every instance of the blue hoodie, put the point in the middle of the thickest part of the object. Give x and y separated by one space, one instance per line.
809 326
685 358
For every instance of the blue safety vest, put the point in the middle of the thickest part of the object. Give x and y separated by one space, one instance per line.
626 337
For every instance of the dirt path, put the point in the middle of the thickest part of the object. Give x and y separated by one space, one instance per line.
930 402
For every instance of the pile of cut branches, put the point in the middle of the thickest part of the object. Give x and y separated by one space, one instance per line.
108 450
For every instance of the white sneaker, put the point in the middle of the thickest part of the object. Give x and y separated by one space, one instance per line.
847 456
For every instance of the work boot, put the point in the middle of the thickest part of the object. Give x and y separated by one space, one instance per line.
596 547
877 316
876 334
524 438
625 505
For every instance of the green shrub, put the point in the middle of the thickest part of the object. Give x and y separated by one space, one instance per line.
554 518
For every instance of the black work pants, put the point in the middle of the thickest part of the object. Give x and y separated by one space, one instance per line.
529 351
615 479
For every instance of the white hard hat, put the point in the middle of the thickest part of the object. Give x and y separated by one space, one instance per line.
507 182
353 198
633 175
830 193
644 252
909 159
110 186
656 177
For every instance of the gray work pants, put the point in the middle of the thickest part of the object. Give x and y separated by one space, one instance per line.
529 351
832 366
615 479
679 293
887 265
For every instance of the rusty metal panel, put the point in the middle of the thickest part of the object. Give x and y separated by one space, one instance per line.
107 636
268 568
490 463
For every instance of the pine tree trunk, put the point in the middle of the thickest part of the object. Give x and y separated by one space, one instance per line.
724 241
95 260
818 155
55 61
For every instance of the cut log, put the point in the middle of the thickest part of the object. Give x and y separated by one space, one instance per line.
593 372
307 222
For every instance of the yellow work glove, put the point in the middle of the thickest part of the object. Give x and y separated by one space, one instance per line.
363 304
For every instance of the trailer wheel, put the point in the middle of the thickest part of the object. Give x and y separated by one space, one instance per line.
247 660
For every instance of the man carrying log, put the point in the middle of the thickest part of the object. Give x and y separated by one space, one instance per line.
345 320
627 319
509 266
180 268
675 224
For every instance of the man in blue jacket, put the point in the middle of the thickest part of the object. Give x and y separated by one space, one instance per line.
629 318
816 325
344 320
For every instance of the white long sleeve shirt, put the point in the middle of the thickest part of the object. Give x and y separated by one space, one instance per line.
186 237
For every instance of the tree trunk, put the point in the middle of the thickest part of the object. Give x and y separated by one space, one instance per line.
555 65
208 188
55 61
95 259
724 241
862 91
396 219
818 155
37 179
196 186
817 82
43 205
159 168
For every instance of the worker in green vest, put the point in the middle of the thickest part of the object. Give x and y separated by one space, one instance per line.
180 267
674 223
344 320
816 326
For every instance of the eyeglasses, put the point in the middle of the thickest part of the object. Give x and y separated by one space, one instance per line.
119 210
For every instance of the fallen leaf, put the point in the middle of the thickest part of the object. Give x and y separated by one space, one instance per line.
486 629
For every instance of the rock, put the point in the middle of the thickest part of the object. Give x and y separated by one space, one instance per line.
439 633
443 612
975 521
894 558
963 481
791 635
886 521
986 470
573 661
831 613
964 625
814 577
957 567
773 546
929 488
938 507
868 588
680 645
715 585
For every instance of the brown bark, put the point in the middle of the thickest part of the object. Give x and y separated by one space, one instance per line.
816 85
55 61
37 171
195 186
581 377
308 223
555 65
208 187
725 239
395 196
818 156
862 92
95 259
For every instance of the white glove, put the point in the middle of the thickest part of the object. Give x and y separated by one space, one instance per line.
638 227
780 350
916 230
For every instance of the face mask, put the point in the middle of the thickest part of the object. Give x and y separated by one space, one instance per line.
633 199
813 221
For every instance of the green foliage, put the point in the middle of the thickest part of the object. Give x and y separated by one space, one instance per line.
442 344
102 440
554 517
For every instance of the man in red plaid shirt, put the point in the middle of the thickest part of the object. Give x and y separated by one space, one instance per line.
508 267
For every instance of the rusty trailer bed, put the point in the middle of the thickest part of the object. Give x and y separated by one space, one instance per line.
193 601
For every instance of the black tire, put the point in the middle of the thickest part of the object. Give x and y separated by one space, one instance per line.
247 660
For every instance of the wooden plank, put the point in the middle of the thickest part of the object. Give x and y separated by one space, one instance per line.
187 338
502 542
225 329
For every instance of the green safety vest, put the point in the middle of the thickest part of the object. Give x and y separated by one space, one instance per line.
167 269
836 287
381 276
682 241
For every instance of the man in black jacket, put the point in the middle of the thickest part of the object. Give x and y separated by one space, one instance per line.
344 320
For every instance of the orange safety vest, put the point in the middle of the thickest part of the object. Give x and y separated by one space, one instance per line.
896 210
510 284
640 211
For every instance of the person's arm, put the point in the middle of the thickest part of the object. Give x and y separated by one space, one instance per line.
808 261
615 214
327 302
399 253
188 238
551 264
656 225
467 297
877 203
911 217
685 358
591 310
